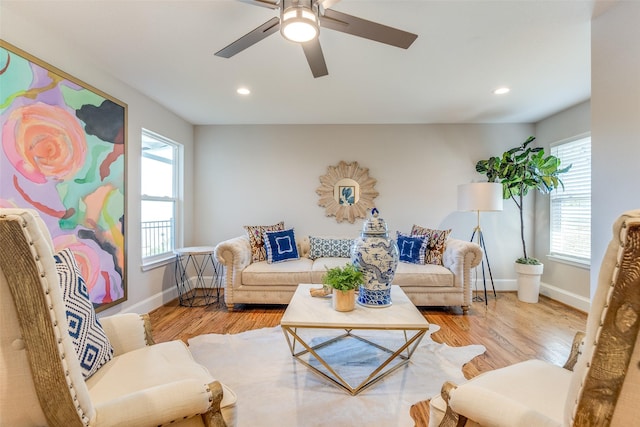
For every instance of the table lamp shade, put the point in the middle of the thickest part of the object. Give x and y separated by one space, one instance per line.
480 196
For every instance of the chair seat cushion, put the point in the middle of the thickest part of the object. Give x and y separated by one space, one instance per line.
161 373
516 395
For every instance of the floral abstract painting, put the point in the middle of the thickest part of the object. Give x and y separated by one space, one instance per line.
63 154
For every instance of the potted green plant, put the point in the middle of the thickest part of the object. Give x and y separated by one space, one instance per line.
344 280
520 170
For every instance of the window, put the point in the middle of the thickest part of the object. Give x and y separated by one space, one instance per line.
571 208
160 207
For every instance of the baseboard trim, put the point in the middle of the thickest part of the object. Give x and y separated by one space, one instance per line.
153 302
511 285
569 298
501 285
165 296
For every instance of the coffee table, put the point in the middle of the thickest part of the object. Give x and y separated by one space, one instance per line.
306 312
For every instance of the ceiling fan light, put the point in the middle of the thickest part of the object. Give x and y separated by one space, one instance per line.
299 24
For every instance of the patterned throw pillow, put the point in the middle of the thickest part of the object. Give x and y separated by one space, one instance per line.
256 239
412 249
325 247
280 245
435 245
91 343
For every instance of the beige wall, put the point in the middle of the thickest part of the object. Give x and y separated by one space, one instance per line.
146 290
264 174
615 117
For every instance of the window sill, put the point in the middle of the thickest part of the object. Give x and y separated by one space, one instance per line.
574 262
157 262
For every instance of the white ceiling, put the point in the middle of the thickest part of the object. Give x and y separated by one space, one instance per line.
465 49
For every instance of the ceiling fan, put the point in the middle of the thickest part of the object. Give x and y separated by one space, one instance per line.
300 21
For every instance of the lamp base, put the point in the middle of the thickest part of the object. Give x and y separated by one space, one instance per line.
485 258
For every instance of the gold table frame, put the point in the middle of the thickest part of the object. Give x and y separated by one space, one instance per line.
307 313
410 345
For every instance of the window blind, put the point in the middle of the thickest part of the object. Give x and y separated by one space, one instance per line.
571 209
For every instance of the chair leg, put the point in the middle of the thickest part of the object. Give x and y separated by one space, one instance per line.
213 417
420 413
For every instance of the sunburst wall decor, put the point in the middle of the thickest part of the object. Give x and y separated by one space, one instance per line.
347 191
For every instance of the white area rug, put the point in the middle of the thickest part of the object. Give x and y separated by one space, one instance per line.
274 389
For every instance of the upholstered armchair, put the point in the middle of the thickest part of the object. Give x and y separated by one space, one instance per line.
600 383
44 381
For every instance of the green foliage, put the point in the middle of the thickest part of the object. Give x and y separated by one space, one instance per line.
520 170
343 278
528 261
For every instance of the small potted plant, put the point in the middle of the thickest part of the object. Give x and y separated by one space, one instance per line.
520 170
344 280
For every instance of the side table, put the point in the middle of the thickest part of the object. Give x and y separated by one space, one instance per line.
201 289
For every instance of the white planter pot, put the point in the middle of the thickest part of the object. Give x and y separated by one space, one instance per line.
528 281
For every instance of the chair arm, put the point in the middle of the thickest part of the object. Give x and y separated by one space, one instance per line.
450 419
235 255
127 332
164 404
576 350
486 407
460 256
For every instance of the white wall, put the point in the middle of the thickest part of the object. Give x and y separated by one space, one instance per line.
615 117
264 174
146 290
560 281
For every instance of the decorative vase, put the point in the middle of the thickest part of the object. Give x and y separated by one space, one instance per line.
529 281
344 300
377 257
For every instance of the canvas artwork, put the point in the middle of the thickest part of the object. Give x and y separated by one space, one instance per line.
347 195
63 154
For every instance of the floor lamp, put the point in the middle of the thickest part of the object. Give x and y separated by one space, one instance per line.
481 197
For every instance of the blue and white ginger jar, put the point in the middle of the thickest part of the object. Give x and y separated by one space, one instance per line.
377 257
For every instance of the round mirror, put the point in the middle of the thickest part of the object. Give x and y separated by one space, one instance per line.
346 192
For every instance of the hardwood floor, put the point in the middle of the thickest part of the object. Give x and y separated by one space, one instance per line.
512 331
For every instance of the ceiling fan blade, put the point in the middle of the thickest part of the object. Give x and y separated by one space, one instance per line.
349 24
315 58
263 3
249 39
326 4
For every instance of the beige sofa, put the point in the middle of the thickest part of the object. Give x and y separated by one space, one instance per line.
249 282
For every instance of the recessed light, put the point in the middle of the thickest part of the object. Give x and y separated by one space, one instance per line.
501 91
243 91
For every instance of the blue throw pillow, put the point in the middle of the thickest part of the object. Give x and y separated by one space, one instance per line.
91 343
412 249
280 245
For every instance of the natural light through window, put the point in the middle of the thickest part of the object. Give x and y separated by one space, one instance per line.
159 181
571 209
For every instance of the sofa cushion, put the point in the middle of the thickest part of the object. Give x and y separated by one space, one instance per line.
283 273
321 265
256 239
321 247
91 343
412 249
436 243
280 245
427 275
